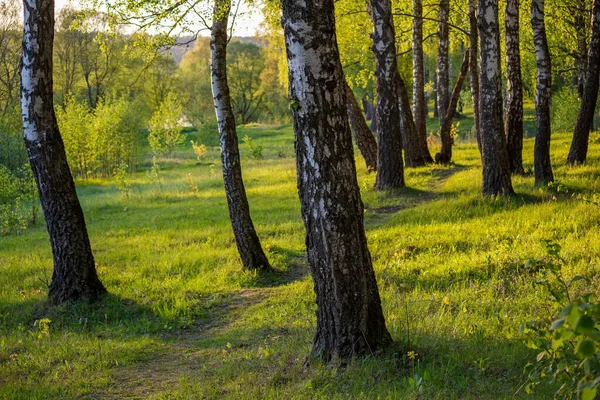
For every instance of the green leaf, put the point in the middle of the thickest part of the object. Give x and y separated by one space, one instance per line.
584 325
588 394
557 324
586 348
540 356
573 315
567 310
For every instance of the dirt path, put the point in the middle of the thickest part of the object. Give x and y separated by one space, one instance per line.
439 177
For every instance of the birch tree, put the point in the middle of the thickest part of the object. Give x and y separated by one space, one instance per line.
474 68
362 134
419 100
496 172
350 320
541 156
443 71
246 239
445 155
514 89
390 169
415 153
585 118
74 275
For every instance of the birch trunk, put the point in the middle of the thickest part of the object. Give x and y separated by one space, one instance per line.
445 156
496 172
362 134
390 170
474 69
541 155
514 88
350 320
443 75
74 276
419 99
585 119
246 239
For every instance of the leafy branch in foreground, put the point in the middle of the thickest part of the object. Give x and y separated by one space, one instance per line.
568 339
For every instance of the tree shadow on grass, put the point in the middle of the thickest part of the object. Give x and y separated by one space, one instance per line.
266 361
297 269
110 313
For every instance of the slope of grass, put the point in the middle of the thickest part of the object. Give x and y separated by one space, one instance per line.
182 319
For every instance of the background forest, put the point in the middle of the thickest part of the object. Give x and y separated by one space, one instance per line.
485 297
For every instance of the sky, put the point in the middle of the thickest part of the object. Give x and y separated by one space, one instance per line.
246 24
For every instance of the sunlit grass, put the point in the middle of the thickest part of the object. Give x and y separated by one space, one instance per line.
184 321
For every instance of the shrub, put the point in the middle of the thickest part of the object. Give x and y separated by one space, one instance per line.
199 149
165 126
256 149
568 339
99 141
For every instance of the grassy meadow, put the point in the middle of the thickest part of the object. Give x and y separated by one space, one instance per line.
183 321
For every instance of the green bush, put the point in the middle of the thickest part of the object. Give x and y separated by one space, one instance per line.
99 141
165 126
568 339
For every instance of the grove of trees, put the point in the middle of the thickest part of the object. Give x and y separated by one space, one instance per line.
94 96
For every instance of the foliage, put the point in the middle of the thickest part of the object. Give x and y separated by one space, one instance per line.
564 110
98 141
567 339
122 181
12 149
18 196
199 149
245 64
196 91
256 149
165 126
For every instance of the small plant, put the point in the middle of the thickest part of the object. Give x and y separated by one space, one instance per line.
122 180
433 139
44 327
557 187
256 149
192 184
199 149
454 131
568 339
154 176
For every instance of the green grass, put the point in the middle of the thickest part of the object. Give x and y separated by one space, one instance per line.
182 319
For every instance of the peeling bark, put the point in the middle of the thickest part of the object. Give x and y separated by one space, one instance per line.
496 173
74 276
445 156
585 118
246 239
541 155
514 89
349 315
390 169
362 134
